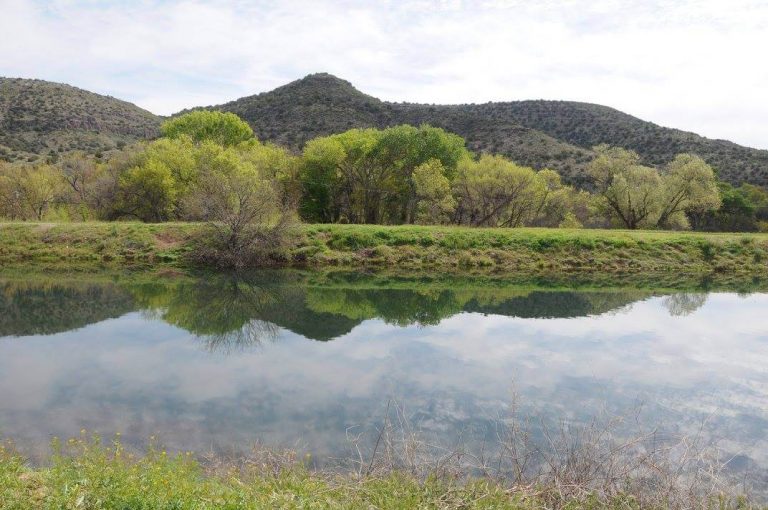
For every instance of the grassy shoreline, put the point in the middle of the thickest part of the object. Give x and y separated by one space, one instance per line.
451 249
92 474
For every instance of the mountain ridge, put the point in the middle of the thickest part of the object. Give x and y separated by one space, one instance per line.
537 133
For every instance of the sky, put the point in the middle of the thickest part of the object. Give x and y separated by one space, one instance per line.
698 65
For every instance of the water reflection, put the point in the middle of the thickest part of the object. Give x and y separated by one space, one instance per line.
234 311
219 362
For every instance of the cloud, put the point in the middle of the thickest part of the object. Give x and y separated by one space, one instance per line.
689 64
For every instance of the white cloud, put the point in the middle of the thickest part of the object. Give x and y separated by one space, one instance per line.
692 64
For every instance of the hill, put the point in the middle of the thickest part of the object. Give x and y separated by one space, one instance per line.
40 119
554 134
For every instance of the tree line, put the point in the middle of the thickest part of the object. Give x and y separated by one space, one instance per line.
209 167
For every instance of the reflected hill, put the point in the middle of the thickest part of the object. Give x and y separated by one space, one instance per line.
558 304
229 312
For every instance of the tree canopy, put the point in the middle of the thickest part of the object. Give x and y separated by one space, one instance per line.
223 128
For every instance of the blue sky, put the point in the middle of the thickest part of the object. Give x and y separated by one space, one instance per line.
697 65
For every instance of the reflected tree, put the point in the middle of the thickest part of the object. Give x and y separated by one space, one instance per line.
684 303
231 312
222 310
45 308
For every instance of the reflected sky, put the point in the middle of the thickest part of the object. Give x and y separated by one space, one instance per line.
240 363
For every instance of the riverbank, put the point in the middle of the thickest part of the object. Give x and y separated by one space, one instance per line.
84 474
453 249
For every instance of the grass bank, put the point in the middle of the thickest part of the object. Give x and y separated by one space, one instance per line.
98 481
86 474
457 249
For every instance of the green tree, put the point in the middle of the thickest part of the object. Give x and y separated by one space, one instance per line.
321 180
631 193
147 192
29 192
758 196
402 149
737 213
223 128
689 185
433 192
362 183
364 175
493 191
247 218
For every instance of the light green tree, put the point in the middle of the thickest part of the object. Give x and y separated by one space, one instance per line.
223 128
29 192
433 192
494 191
179 155
689 186
10 199
570 221
321 180
364 175
631 193
147 192
81 173
402 149
277 164
246 214
357 183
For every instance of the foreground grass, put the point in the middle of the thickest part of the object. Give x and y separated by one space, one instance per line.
402 247
95 477
92 476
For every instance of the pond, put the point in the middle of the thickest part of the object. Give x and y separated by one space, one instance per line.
312 361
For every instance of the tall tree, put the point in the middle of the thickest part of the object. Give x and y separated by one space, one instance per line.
433 193
29 192
689 185
493 191
631 192
147 192
365 175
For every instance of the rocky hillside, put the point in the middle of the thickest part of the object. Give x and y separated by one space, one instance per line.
39 119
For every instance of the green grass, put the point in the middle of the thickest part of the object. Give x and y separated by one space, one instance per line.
98 477
83 473
92 476
455 249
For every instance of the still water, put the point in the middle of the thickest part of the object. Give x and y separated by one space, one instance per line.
306 361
